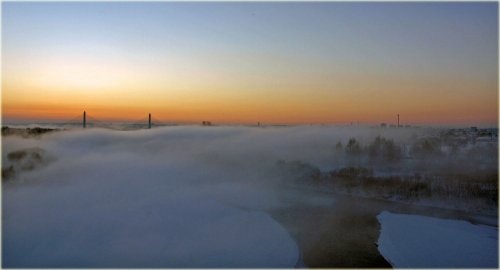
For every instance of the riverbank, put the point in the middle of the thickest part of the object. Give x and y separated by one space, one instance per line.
345 234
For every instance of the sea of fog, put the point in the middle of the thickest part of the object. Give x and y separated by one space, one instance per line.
180 196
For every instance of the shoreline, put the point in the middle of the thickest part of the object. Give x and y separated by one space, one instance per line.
345 234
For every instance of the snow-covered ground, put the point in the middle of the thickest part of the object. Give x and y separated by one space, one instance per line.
65 230
411 241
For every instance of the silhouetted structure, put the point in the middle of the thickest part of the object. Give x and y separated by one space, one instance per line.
149 121
84 119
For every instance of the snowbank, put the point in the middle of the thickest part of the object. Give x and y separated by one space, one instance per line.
425 242
173 232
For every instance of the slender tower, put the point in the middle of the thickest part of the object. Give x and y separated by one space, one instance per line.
149 121
398 120
84 119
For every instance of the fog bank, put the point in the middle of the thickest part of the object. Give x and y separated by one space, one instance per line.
183 196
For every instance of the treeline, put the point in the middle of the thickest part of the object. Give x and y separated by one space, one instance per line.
428 153
476 193
26 132
469 192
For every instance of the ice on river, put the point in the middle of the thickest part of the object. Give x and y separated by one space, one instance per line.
418 241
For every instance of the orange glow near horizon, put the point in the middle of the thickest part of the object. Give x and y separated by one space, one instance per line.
272 109
61 93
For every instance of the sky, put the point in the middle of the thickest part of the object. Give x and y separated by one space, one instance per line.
242 62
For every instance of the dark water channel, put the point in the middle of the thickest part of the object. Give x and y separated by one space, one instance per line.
344 233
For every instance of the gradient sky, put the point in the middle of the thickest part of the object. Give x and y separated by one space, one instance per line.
325 62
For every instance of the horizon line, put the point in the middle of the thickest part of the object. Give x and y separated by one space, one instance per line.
248 123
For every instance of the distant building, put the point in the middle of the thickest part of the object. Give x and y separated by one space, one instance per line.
384 125
473 129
